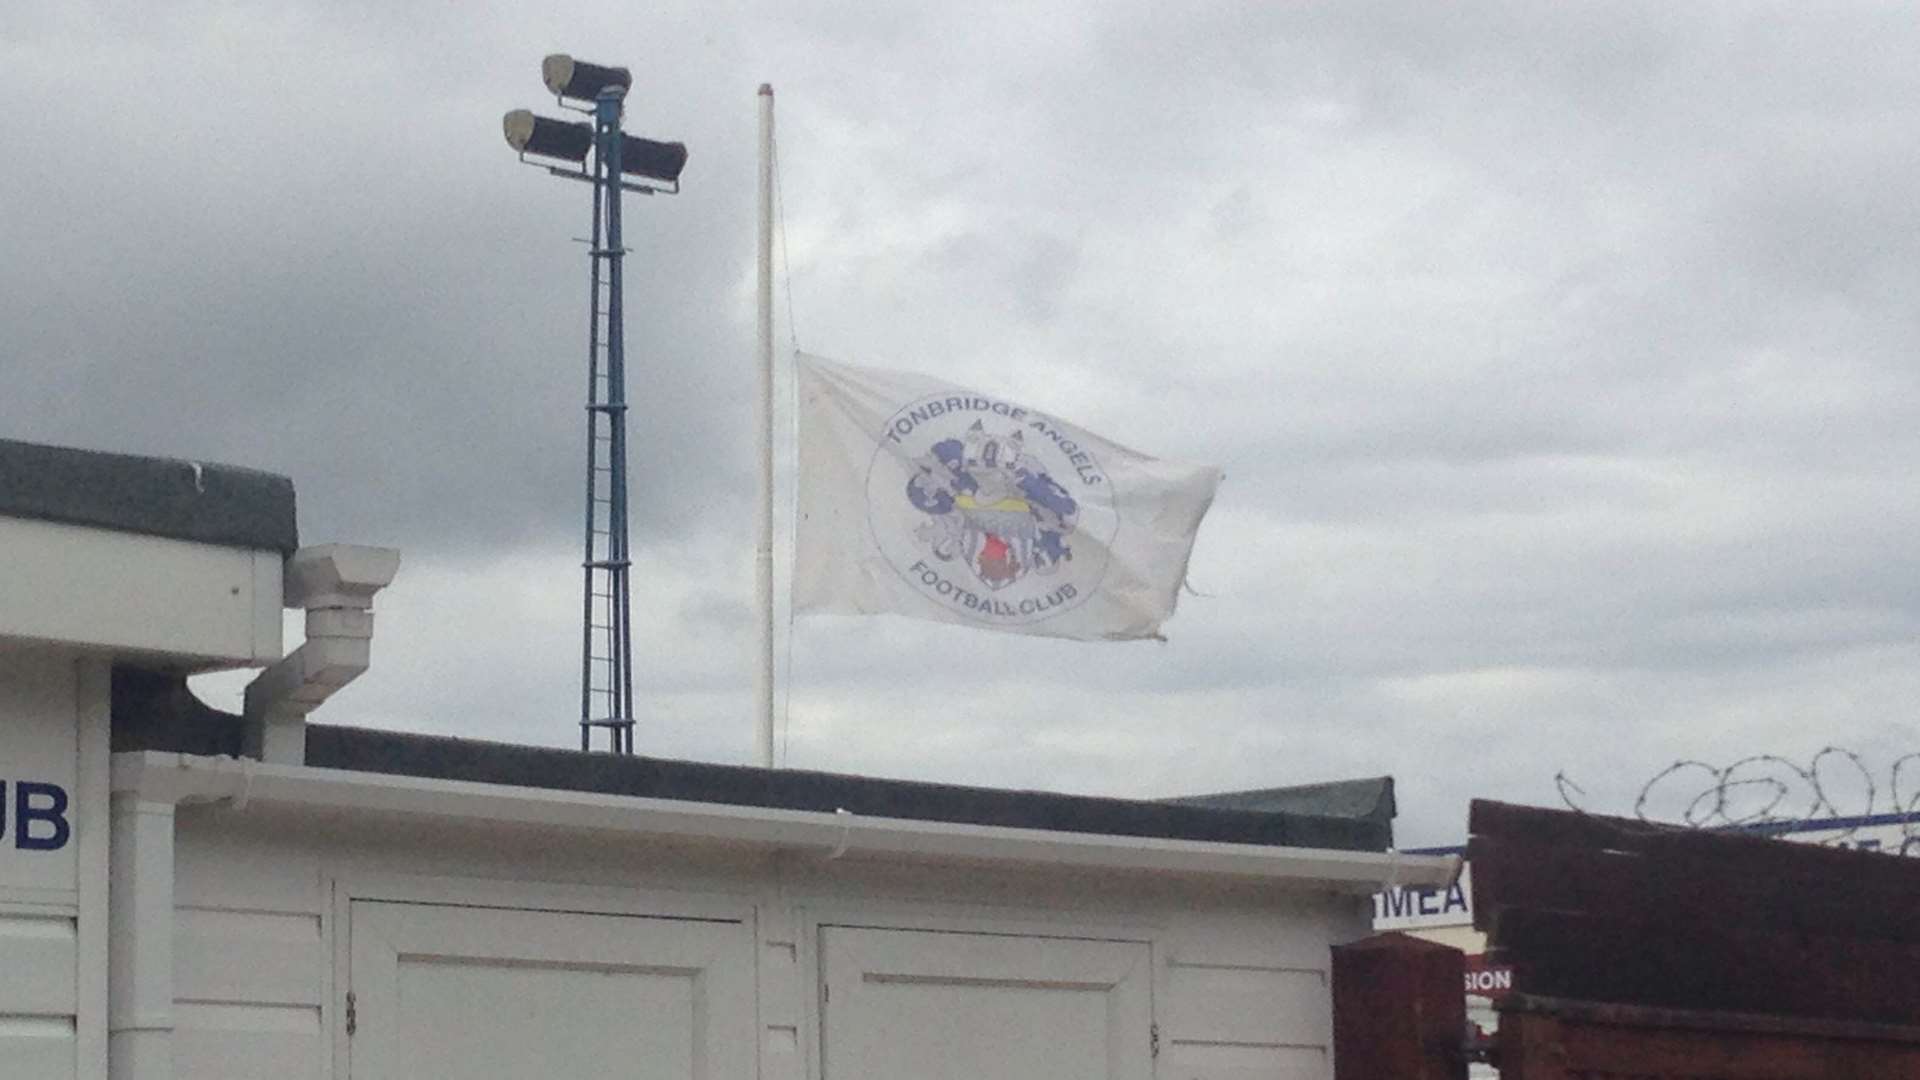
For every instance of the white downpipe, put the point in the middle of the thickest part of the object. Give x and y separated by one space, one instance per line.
140 938
763 552
335 583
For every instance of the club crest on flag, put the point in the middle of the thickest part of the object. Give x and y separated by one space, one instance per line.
921 498
1000 498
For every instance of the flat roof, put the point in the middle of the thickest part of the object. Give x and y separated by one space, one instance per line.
1370 799
158 712
166 497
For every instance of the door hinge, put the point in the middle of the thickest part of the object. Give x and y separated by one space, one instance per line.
353 1013
1153 1039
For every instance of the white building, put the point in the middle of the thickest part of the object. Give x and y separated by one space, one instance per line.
189 894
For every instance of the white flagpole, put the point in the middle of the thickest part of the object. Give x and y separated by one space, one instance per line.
763 554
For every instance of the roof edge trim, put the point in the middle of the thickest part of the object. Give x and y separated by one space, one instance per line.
172 778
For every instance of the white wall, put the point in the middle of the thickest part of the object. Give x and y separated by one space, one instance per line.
203 604
1240 982
53 888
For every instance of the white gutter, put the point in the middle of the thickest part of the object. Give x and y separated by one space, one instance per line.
168 777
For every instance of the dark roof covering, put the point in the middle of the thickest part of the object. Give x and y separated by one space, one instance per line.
182 500
1370 799
158 712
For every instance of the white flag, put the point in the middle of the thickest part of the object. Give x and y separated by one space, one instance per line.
922 498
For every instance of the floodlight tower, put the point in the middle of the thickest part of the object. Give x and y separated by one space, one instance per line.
606 651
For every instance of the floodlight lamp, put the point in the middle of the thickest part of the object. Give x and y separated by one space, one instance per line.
660 161
579 80
545 137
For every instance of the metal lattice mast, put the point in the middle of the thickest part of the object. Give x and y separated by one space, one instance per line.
612 162
606 655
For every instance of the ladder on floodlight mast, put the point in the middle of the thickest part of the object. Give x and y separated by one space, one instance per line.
606 655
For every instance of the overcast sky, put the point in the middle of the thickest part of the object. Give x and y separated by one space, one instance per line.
1561 358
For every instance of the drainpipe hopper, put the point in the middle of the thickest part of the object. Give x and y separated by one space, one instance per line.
335 583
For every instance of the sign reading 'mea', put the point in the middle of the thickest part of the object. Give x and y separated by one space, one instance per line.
1414 908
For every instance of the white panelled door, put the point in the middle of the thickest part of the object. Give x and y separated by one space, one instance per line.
915 1005
459 993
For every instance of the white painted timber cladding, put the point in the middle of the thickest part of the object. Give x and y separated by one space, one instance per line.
248 991
265 895
53 732
37 996
39 743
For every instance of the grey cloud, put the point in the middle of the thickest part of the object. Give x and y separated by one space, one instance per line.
1559 357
